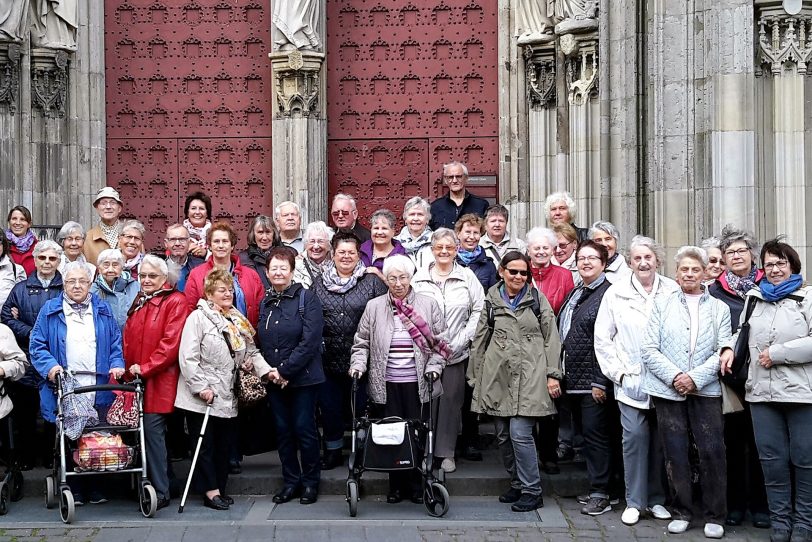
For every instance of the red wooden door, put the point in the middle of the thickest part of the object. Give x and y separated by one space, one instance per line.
188 86
410 86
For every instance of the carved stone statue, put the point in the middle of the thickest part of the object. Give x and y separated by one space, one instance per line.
54 24
576 16
533 24
13 20
295 25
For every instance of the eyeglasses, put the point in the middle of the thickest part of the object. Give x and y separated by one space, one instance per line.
323 242
394 280
563 246
150 276
738 252
131 237
111 203
445 248
514 272
73 239
341 213
177 240
48 258
77 282
580 259
780 264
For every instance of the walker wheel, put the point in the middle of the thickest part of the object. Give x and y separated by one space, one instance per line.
5 496
50 492
67 507
149 501
352 497
435 499
16 485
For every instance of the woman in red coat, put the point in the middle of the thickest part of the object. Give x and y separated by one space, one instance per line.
21 237
553 281
248 289
151 342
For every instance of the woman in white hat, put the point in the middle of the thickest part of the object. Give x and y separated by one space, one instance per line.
105 234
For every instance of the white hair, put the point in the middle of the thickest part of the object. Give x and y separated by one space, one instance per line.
134 225
396 263
710 242
68 228
641 241
81 266
537 234
110 254
690 251
318 226
157 263
560 196
47 244
457 164
278 208
417 201
345 197
605 227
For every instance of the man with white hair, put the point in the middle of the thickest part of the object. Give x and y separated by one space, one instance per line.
446 209
560 209
288 218
345 217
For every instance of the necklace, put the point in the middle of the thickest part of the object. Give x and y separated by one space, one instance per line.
441 274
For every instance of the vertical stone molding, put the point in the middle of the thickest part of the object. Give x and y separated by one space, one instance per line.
49 82
299 132
9 76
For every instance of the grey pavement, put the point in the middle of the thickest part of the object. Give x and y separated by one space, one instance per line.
258 518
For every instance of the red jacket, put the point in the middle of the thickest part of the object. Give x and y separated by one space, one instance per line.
246 277
554 282
25 259
151 340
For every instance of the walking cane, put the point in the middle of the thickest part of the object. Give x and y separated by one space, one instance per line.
194 458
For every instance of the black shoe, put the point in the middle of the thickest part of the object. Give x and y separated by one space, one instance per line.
527 503
309 495
234 467
565 454
97 497
470 453
761 520
162 503
734 517
287 493
215 503
394 496
226 498
510 496
417 497
332 459
550 467
26 466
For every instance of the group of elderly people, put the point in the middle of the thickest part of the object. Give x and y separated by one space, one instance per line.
559 338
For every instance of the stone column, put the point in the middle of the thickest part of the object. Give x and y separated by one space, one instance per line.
784 53
299 127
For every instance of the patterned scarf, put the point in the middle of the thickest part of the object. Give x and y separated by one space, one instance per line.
413 244
132 264
467 256
239 329
142 299
741 285
198 235
23 243
419 330
333 282
111 233
81 307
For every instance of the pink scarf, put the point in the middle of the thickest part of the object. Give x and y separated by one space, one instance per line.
419 330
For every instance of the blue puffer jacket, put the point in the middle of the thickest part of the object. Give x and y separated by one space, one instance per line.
667 342
28 297
48 350
119 297
292 342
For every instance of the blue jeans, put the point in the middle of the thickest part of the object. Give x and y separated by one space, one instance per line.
514 436
784 441
334 401
294 411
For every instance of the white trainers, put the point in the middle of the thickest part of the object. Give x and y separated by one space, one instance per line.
678 526
448 464
714 530
658 511
630 516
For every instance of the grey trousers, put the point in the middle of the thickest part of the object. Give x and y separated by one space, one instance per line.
155 437
449 415
642 458
514 436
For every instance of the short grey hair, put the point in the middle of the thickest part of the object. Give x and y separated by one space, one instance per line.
396 263
318 226
81 266
457 164
134 225
444 233
641 241
156 262
386 214
732 234
690 251
110 254
417 201
605 227
47 244
538 234
68 228
560 196
345 197
295 205
710 242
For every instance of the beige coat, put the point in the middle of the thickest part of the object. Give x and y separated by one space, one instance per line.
206 363
13 362
95 243
371 348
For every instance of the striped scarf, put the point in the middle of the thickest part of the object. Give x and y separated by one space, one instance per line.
419 330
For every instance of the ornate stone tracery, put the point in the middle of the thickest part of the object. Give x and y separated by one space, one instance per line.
784 39
296 77
540 76
9 75
49 82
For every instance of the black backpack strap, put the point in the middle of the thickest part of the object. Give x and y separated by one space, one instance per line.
798 298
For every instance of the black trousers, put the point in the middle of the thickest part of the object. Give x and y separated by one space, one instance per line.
211 471
470 420
30 444
745 479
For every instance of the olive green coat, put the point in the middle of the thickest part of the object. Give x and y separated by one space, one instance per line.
509 372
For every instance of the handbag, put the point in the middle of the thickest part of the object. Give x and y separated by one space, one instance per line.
124 410
250 389
737 376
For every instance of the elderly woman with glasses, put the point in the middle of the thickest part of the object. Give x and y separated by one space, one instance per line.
744 474
416 234
20 313
114 286
262 237
401 343
131 244
316 239
606 234
382 243
72 238
716 262
564 249
553 281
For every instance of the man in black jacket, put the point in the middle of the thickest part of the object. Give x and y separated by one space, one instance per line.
560 208
345 216
447 209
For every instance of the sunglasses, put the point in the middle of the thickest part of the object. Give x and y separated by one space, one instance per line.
340 213
47 258
714 260
514 272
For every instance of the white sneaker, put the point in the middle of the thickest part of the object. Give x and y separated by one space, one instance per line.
630 516
678 526
658 511
448 464
714 530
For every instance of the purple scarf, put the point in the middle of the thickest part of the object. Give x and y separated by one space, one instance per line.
419 330
23 243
